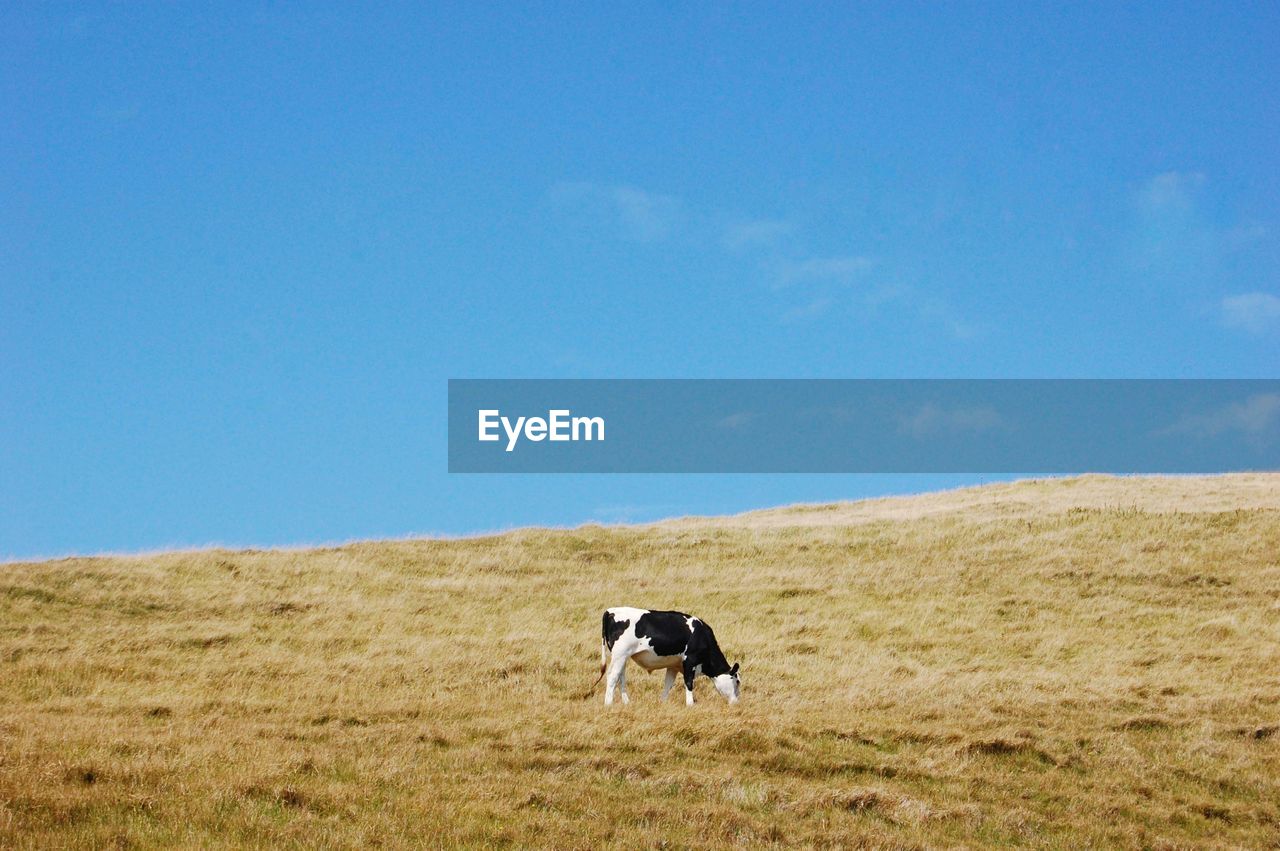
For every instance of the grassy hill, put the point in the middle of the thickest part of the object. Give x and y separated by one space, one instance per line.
1049 663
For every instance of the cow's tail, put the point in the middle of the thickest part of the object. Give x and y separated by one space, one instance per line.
604 663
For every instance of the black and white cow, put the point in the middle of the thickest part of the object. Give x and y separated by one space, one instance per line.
672 641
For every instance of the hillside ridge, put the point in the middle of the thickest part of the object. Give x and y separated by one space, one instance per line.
1163 493
1019 498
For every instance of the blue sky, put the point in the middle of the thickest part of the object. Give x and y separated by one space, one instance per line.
242 249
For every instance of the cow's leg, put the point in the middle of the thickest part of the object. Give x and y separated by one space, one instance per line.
670 682
613 677
622 683
689 674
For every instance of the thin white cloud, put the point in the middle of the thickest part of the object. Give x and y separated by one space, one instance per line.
933 309
931 419
820 285
646 216
1243 236
929 309
639 215
754 234
1255 415
842 270
1171 244
736 420
809 310
1182 249
817 283
1173 191
1256 313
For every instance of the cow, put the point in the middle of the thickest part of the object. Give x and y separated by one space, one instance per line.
657 640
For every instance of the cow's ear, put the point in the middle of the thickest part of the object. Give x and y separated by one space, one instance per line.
734 669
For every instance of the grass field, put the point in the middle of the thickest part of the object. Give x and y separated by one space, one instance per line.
1053 663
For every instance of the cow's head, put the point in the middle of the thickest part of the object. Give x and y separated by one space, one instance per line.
730 684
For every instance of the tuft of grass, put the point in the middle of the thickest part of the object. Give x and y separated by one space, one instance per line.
1086 662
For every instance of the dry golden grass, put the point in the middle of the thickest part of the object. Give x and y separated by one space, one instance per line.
1055 663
